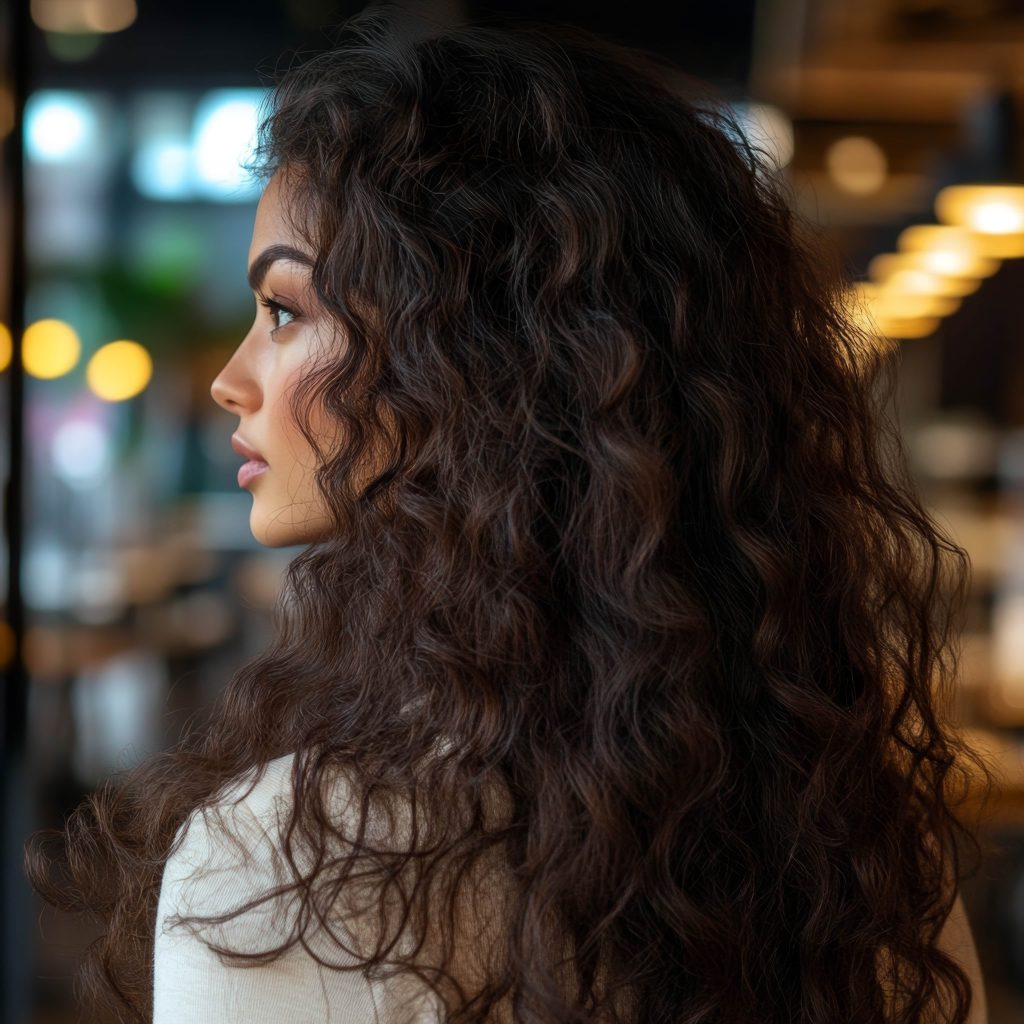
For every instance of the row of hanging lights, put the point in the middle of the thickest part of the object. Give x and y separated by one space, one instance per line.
936 266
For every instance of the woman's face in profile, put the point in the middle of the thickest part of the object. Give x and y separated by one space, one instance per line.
257 381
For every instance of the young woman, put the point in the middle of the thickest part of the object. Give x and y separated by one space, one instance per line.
605 689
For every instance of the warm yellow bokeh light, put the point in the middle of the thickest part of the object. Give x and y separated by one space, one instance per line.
997 217
83 15
908 327
859 312
890 328
894 300
857 164
50 348
892 313
119 370
6 347
950 263
994 212
948 249
887 266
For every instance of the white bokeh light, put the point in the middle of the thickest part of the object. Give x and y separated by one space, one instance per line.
162 169
224 135
768 128
81 453
999 218
60 126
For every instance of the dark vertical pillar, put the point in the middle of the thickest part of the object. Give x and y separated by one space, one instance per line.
18 945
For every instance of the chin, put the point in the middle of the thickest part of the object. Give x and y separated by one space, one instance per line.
274 540
277 534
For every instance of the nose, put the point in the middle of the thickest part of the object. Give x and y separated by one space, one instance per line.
236 388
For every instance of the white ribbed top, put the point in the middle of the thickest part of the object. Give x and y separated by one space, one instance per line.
229 854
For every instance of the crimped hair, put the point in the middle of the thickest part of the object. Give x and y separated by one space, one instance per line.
637 604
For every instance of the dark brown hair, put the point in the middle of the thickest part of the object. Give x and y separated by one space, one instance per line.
640 604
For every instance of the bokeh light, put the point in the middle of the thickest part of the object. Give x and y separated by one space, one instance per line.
224 135
6 347
60 126
857 164
162 169
770 129
81 452
917 275
73 46
119 370
889 312
50 348
83 15
945 249
995 213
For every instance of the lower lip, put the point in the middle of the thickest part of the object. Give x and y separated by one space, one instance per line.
249 471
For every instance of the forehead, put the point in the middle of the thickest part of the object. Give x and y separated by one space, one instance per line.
271 225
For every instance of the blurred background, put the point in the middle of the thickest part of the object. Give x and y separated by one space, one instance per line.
131 585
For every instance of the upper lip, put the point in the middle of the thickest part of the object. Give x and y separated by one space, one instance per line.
245 450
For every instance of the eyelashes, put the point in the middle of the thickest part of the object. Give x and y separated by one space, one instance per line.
276 310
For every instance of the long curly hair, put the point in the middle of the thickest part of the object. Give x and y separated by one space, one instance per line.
637 603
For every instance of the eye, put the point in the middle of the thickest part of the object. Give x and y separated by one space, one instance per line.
276 311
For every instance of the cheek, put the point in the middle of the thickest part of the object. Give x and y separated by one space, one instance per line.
290 442
284 425
280 392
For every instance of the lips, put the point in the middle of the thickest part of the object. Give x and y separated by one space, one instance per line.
245 450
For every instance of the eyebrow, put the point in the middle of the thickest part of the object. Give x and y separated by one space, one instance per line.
273 253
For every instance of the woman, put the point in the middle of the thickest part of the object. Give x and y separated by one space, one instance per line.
603 690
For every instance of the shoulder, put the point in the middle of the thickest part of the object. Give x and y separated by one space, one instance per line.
252 809
233 858
226 853
229 855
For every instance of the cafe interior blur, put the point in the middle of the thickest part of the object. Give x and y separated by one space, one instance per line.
132 587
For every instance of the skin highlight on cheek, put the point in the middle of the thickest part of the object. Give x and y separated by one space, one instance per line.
292 511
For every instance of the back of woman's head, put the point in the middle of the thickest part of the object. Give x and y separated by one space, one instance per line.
638 545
